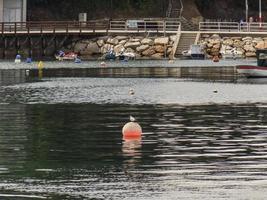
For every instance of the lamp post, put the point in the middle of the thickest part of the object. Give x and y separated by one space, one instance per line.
247 11
260 13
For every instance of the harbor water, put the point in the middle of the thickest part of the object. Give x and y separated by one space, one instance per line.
60 138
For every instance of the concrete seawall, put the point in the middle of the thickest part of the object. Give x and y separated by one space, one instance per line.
221 73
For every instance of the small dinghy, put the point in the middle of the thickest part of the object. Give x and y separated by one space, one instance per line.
255 71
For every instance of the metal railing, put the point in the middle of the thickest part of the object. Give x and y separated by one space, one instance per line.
232 27
219 26
253 27
42 27
145 25
48 27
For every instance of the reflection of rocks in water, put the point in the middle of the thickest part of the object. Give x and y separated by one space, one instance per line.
131 150
12 136
12 76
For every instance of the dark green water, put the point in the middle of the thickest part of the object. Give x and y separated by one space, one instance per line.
61 139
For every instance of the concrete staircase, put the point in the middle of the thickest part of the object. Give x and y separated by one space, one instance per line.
185 41
188 25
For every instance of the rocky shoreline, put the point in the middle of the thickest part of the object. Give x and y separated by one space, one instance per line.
142 47
242 47
162 47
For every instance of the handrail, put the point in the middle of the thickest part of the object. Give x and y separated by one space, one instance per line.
45 27
233 27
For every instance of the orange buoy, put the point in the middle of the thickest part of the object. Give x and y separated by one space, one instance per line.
132 130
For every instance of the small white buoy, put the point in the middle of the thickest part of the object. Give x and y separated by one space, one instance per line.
131 92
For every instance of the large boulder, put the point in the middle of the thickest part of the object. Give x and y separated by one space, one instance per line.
122 42
157 55
238 43
247 39
217 46
257 39
147 41
100 42
249 48
162 41
236 38
169 51
118 48
113 41
121 38
215 41
250 54
228 42
106 48
260 45
142 48
129 50
149 52
92 48
132 45
80 46
215 37
134 40
160 49
173 38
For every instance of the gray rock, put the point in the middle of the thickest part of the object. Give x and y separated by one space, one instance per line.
157 55
80 46
121 38
134 40
173 38
123 42
132 45
147 41
100 43
113 41
160 49
162 41
106 48
142 48
119 48
149 52
92 48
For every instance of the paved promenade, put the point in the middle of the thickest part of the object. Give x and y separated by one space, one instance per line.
137 63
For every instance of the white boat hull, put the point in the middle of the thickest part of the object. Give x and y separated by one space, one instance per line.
252 71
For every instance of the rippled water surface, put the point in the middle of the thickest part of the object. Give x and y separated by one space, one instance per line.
61 139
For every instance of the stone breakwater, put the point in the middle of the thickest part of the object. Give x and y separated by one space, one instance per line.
142 47
239 46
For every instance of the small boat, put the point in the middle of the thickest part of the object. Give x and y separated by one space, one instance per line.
18 59
65 56
255 71
110 55
195 52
